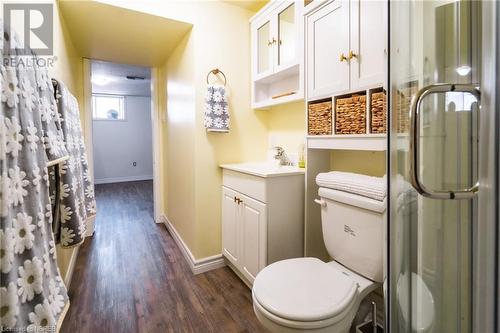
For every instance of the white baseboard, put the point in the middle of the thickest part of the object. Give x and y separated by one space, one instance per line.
122 179
71 267
197 265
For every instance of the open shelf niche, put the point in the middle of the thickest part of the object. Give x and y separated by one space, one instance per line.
370 163
368 140
278 88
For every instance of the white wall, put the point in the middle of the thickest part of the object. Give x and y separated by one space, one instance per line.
117 144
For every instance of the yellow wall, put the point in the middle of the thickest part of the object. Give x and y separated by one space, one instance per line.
229 39
192 179
371 163
287 126
68 69
68 66
179 141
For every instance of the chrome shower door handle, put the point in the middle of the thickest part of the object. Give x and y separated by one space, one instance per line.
415 146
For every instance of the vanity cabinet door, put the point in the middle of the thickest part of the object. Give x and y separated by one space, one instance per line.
254 233
230 226
328 49
368 43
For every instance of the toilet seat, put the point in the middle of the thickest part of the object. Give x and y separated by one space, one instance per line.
325 325
304 293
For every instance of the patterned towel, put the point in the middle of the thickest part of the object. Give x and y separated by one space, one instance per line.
76 190
32 292
216 109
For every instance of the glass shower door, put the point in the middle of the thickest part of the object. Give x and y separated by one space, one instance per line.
434 101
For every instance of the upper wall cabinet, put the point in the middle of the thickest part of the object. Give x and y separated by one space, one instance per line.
277 54
345 46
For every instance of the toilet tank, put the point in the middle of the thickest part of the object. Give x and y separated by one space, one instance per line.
353 231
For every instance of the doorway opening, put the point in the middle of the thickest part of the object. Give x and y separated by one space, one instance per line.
122 140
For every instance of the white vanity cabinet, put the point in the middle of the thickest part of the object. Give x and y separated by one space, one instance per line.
277 53
345 46
262 219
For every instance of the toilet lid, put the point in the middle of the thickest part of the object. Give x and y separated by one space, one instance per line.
303 289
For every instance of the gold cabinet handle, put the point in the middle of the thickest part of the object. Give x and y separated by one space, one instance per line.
271 42
342 57
352 55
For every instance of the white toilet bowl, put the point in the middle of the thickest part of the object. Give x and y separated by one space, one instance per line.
307 294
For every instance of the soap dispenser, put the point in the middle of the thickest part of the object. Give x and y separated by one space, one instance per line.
302 156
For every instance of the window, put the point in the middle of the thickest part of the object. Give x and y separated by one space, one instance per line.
107 107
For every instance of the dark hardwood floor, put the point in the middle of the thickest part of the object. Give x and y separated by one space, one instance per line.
131 276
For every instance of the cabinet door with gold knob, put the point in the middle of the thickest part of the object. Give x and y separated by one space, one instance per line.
230 226
327 50
368 41
254 237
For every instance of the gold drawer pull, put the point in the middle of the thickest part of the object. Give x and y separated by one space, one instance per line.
342 57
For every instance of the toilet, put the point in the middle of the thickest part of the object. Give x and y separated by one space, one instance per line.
307 294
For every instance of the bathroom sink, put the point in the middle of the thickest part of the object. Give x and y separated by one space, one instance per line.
264 169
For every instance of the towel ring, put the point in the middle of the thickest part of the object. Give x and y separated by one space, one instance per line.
216 72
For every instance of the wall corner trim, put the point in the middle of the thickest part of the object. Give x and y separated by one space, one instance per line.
71 267
197 266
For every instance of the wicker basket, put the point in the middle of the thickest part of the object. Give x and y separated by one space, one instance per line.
402 101
350 115
378 113
320 118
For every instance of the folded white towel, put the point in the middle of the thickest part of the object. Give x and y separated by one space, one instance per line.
371 187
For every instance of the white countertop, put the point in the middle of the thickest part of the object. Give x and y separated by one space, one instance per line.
264 169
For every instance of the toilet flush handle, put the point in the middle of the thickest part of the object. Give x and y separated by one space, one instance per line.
320 202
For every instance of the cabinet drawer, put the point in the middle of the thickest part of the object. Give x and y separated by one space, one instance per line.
252 186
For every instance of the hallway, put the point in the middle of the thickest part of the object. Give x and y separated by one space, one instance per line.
130 276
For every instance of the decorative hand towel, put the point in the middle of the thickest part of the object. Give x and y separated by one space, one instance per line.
76 190
216 109
371 187
33 296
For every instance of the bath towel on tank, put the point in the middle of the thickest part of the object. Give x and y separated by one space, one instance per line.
216 109
371 187
76 201
33 296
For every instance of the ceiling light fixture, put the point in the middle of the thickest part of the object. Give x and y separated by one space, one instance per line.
463 70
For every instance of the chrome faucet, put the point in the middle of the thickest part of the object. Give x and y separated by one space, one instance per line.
281 156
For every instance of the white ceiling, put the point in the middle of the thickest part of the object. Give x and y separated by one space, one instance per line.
113 79
111 33
252 5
